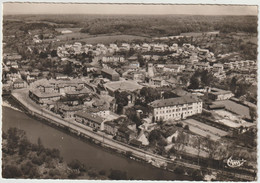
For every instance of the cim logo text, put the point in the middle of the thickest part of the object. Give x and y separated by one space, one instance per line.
235 163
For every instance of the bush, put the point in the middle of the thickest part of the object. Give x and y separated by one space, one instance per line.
179 171
92 173
128 153
186 127
54 172
196 175
77 165
179 125
102 172
11 171
73 175
37 160
117 175
30 170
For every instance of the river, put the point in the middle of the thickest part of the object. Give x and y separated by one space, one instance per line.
72 147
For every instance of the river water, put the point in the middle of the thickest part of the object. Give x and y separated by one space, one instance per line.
72 147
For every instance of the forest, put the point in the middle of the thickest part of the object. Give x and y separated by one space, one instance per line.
146 25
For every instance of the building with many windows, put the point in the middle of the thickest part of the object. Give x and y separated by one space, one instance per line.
176 108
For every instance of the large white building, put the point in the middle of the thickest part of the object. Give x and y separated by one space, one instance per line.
176 108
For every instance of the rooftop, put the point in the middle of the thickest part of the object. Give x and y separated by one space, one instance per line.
174 101
109 71
123 85
218 91
45 95
90 117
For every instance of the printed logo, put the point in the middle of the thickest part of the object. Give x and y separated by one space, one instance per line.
235 163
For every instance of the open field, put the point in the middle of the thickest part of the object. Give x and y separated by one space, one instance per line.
203 133
234 107
69 28
110 39
73 35
194 34
205 127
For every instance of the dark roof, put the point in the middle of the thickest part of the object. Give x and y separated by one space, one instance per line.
90 117
109 71
110 123
174 101
135 142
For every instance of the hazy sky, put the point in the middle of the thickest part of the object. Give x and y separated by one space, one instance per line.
51 8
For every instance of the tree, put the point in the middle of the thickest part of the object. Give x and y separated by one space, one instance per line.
68 69
179 170
77 165
194 83
54 53
180 141
13 70
154 135
149 94
168 94
141 60
43 55
198 144
196 175
121 100
29 170
253 113
233 84
24 145
186 127
206 77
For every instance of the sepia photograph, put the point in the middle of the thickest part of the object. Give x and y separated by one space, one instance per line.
129 91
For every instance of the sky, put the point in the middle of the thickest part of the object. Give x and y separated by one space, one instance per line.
56 8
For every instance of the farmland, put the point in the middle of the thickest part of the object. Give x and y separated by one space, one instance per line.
105 39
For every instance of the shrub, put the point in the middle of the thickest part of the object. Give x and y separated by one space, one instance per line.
11 171
179 170
179 125
37 160
92 173
54 172
186 127
102 172
117 175
76 164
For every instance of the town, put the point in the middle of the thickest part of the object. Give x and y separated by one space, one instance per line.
172 96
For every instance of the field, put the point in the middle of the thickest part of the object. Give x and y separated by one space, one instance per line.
234 107
194 34
69 28
204 130
205 127
90 39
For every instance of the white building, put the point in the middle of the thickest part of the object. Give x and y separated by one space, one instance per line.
176 108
